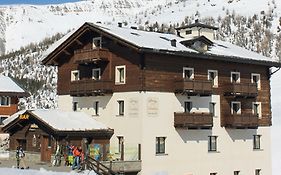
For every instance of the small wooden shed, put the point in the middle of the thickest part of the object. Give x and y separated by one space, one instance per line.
40 131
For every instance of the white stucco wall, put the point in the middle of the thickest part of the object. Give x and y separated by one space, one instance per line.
151 114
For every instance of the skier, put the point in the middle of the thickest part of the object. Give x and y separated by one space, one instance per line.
77 153
20 157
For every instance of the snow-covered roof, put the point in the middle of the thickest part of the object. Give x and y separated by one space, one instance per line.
62 120
162 42
8 85
68 121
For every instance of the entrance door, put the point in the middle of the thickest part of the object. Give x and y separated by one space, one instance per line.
46 148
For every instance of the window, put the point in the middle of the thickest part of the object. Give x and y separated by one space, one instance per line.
257 139
212 108
188 32
212 144
96 107
120 107
213 173
96 74
97 42
235 107
213 76
188 73
236 172
75 75
2 119
74 106
120 143
257 109
235 77
255 78
187 106
120 74
160 145
5 101
50 141
258 172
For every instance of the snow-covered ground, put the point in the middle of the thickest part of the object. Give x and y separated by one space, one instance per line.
276 124
14 171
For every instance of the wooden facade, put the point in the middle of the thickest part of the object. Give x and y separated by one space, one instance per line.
153 70
37 136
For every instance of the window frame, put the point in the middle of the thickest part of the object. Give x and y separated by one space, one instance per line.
212 108
99 73
73 77
75 106
120 143
188 69
259 110
6 101
257 142
185 106
259 79
211 147
96 108
239 110
118 75
160 147
188 32
121 107
239 76
257 171
215 82
96 45
236 172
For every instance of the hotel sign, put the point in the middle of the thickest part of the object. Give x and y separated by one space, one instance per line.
24 116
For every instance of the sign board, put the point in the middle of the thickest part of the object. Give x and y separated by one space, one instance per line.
24 116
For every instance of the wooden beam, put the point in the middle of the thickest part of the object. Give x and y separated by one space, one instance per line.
79 42
66 52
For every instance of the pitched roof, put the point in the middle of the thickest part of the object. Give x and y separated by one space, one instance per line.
10 87
144 41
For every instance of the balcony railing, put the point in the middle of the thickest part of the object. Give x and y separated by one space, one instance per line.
241 89
194 87
90 87
91 55
241 121
193 120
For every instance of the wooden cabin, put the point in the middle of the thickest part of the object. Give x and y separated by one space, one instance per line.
40 131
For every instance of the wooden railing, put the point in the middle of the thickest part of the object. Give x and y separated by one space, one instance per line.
91 55
97 166
193 86
241 89
241 121
193 120
89 86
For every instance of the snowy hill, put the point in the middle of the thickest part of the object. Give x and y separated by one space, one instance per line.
23 24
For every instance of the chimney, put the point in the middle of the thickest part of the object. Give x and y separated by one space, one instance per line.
174 43
119 24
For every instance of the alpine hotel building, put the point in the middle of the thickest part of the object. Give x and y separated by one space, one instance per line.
183 104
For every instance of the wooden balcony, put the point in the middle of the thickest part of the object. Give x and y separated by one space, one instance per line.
241 121
248 90
91 55
194 87
90 87
193 120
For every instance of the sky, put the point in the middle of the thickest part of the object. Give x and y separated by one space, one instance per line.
7 2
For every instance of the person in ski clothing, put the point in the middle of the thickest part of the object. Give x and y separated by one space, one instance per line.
77 153
20 157
69 155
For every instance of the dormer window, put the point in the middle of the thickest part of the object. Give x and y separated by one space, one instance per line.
75 75
188 32
96 42
235 77
96 74
188 73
